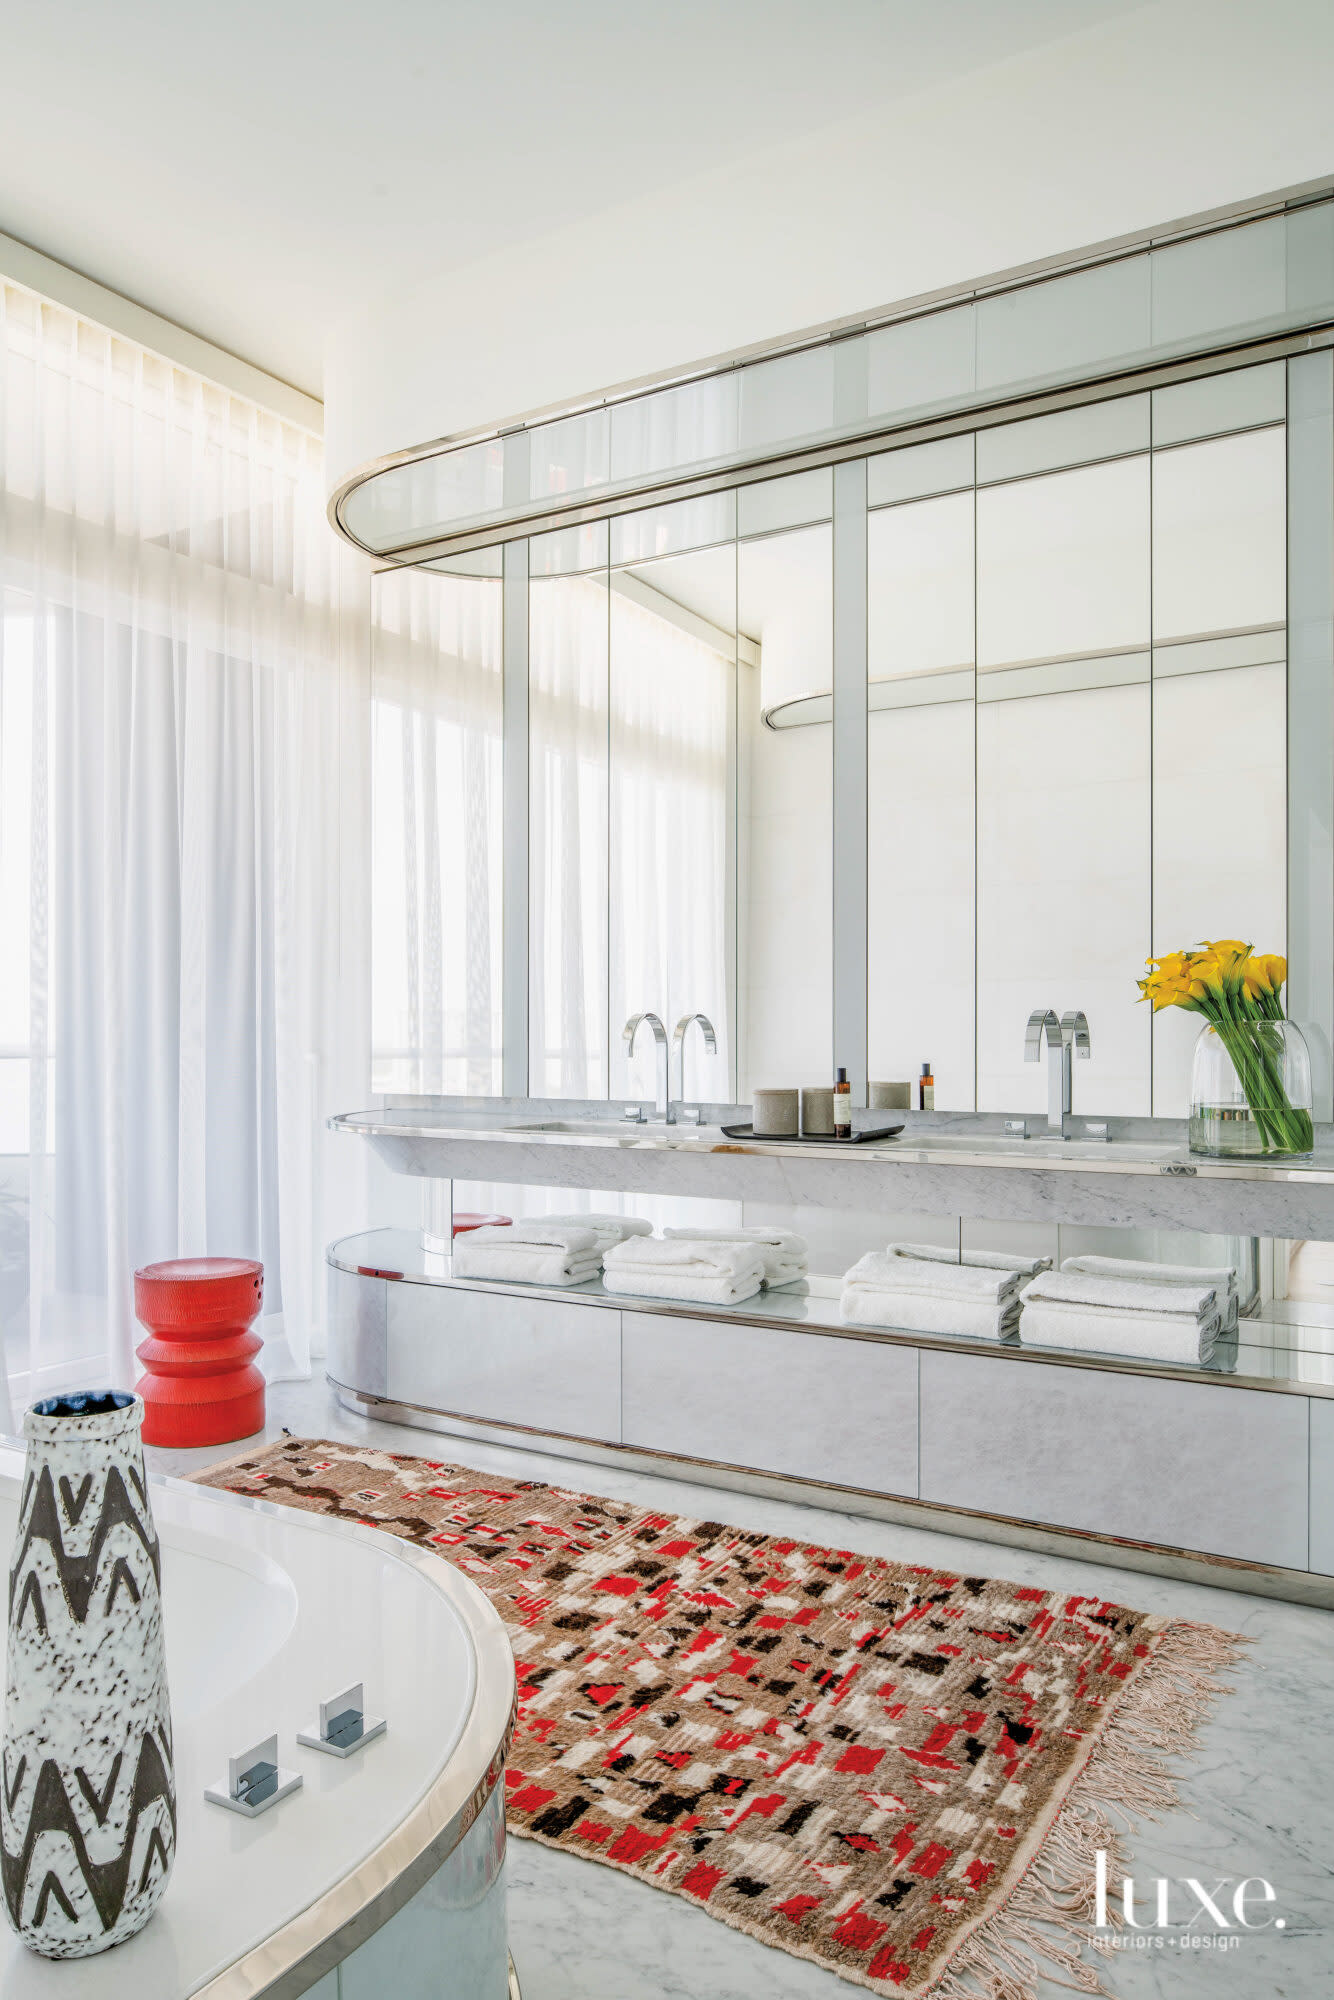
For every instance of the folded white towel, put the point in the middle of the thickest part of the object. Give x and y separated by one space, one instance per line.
785 1255
1222 1277
1123 1295
536 1252
702 1269
1159 1336
720 1289
886 1288
928 1312
896 1269
986 1260
607 1229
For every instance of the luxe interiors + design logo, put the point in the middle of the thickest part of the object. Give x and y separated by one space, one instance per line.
1179 1913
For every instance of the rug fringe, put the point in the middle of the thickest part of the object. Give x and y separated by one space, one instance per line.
1039 1932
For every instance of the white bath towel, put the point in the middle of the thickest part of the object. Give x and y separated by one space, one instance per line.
1222 1277
983 1260
536 1252
1161 1336
1123 1295
702 1270
927 1312
890 1288
785 1255
607 1229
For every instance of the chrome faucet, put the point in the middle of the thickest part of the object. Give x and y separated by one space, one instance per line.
1065 1039
632 1027
691 1116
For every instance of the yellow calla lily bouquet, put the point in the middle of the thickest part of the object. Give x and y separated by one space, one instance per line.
1239 995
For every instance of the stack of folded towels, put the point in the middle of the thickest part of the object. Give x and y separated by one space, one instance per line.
1223 1278
539 1252
1112 1315
922 1289
785 1255
608 1229
702 1269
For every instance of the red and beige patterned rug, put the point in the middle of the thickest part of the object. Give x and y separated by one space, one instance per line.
900 1773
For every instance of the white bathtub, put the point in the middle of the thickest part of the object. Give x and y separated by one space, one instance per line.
384 1874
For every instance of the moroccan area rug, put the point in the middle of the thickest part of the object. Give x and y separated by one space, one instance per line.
902 1774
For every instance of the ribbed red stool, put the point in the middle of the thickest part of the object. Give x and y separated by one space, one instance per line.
202 1385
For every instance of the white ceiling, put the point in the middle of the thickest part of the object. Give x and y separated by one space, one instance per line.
253 171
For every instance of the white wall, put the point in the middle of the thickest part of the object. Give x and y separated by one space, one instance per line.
1179 107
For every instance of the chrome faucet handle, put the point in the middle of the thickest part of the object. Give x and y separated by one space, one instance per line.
1042 1021
1075 1033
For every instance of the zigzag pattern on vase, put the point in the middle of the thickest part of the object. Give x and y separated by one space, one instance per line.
55 1872
87 1805
78 1573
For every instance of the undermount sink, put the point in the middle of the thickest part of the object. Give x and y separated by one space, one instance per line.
620 1128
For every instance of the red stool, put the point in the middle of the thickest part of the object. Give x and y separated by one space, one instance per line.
202 1385
466 1220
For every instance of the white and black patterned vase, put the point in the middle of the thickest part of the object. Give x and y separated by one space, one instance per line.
88 1808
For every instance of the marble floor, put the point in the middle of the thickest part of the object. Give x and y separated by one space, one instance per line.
1257 1801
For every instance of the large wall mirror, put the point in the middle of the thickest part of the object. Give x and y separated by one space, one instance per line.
1077 728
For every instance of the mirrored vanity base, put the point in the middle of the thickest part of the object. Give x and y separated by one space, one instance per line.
1219 1476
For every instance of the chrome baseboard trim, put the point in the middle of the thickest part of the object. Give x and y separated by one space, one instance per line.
1150 1559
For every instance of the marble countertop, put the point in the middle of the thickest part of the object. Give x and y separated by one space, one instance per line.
1293 1354
1142 1176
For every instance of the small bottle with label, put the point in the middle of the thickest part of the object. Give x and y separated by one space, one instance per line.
926 1089
842 1106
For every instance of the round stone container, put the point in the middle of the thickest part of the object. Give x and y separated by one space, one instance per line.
773 1114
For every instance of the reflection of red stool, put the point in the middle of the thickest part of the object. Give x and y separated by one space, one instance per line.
202 1385
465 1221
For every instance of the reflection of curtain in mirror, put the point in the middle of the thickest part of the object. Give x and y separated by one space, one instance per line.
671 706
170 993
436 790
567 815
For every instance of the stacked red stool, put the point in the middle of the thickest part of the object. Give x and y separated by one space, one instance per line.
201 1385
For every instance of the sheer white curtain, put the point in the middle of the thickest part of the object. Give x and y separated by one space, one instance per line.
436 879
177 812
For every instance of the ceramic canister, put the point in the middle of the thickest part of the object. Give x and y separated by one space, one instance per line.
774 1113
88 1807
817 1112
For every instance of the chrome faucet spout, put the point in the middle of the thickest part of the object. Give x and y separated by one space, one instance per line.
1065 1039
705 1026
636 1021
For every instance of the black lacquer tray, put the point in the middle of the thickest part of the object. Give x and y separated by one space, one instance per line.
810 1138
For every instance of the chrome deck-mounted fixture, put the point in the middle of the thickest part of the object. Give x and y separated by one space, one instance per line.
344 1726
1065 1039
690 1114
254 1781
663 1108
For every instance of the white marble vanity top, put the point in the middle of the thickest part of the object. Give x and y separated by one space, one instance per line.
916 1145
267 1612
1144 1176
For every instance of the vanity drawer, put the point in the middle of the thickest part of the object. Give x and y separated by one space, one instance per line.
813 1406
1216 1469
506 1359
356 1338
1322 1485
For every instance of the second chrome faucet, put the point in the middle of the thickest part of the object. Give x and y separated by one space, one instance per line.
666 1105
1065 1039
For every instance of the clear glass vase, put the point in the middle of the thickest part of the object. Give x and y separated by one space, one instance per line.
1250 1091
